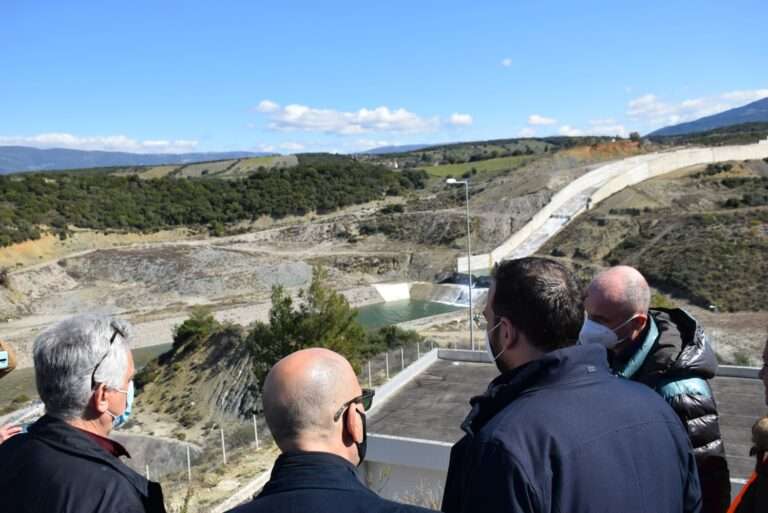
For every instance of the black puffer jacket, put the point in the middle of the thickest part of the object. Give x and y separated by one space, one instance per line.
676 360
57 469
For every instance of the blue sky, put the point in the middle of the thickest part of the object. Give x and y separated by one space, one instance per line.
348 75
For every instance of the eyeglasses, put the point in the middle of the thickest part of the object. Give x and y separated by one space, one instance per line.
366 398
116 331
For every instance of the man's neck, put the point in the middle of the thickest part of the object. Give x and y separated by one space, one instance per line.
521 358
317 446
91 426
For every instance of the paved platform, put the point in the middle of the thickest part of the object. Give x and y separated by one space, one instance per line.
433 405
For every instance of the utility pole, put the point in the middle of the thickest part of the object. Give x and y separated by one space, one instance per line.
453 181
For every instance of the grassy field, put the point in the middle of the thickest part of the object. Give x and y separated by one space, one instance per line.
482 166
205 168
233 168
157 171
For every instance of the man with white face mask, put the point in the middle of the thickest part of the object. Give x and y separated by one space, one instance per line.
66 463
556 430
667 350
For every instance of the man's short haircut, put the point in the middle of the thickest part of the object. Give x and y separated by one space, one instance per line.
67 354
540 297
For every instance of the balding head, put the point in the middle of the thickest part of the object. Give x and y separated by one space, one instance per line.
623 289
619 298
302 393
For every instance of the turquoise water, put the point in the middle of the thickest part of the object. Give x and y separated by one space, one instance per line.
143 355
394 312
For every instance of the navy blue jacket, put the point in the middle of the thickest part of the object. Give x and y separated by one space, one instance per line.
562 434
317 482
54 468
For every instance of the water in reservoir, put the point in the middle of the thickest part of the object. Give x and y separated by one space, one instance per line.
394 312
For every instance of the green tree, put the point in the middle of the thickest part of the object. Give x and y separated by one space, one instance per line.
322 319
200 325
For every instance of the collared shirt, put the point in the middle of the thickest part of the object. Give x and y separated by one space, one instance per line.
112 447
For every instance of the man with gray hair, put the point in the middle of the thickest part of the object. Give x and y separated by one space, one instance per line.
667 350
65 463
315 410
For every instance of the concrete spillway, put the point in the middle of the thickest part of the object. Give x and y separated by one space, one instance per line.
598 185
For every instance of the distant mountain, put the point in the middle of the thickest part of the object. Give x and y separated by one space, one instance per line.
22 158
755 112
397 149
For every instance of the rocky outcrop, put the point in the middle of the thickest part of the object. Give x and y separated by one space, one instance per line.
202 379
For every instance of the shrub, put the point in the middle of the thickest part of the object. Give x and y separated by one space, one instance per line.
741 357
659 300
392 209
200 325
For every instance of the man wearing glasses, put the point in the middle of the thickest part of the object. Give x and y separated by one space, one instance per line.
66 463
315 410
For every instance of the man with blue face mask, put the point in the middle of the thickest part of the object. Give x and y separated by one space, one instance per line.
66 462
667 350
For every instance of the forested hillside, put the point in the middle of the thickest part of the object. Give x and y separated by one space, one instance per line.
61 200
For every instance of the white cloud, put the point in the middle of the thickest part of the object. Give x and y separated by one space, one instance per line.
381 119
648 106
267 148
652 110
292 146
535 119
100 142
368 144
746 96
267 106
571 131
460 119
507 62
527 132
606 127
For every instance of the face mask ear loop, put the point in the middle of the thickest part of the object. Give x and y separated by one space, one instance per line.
635 316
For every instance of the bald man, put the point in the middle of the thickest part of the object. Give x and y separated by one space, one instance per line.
315 410
667 350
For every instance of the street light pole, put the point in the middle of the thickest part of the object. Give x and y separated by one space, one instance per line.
453 181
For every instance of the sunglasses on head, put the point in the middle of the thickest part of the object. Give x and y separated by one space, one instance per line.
366 399
116 331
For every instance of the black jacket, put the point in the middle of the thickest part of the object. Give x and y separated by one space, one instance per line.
676 360
316 482
753 498
562 434
54 468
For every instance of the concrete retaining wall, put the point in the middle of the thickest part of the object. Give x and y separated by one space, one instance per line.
479 262
735 371
393 291
612 178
